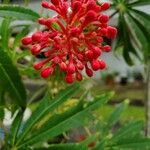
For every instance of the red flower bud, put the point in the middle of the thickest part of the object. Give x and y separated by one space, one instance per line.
105 6
95 65
103 18
97 52
72 39
80 57
63 66
76 6
78 76
103 25
64 8
111 32
38 66
91 5
75 31
56 60
69 78
103 31
45 4
55 2
45 73
71 68
90 16
106 48
26 40
80 66
89 54
49 22
35 49
42 21
36 36
102 64
89 72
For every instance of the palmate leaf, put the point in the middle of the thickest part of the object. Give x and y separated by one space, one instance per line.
127 47
18 12
124 41
11 81
131 36
138 2
142 18
45 107
67 123
138 34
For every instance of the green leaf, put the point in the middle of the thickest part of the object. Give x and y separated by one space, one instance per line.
11 81
45 107
139 3
138 33
126 39
63 147
100 145
56 118
115 115
68 123
131 37
5 33
15 126
142 18
18 12
129 130
133 144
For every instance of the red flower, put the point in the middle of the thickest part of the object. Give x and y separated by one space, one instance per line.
73 40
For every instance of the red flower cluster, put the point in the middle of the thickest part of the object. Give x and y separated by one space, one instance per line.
73 39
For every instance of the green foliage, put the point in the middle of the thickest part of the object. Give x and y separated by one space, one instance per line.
47 121
45 107
133 29
128 136
57 123
10 80
18 12
5 33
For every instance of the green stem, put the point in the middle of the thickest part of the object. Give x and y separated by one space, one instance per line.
113 14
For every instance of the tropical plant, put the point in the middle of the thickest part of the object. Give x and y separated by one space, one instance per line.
133 36
47 121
